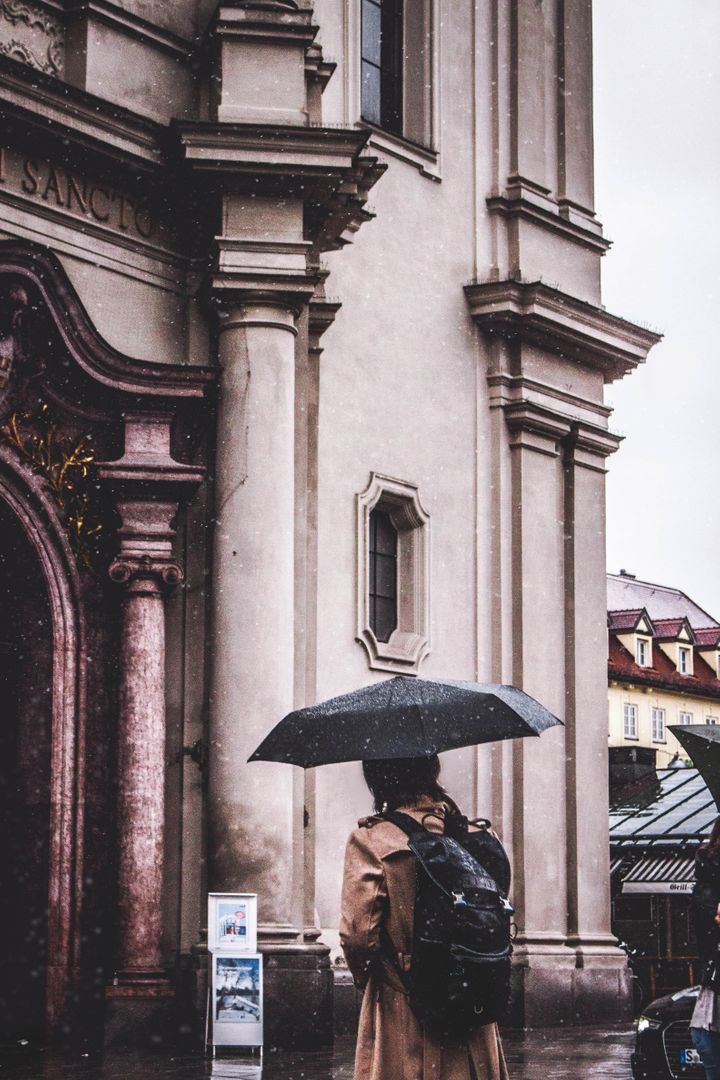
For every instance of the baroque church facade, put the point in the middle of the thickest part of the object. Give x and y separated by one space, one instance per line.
302 356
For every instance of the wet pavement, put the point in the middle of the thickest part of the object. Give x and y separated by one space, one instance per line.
557 1054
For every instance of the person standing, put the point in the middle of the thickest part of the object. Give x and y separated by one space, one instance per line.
376 933
705 1022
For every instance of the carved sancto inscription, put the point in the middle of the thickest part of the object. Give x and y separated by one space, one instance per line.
59 188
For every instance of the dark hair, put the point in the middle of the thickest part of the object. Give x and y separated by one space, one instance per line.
711 848
402 781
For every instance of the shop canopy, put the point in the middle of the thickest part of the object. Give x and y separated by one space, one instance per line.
666 876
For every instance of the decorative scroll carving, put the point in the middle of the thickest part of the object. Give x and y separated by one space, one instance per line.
47 58
122 570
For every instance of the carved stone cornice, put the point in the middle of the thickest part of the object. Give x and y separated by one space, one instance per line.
562 324
34 102
529 202
265 22
290 153
323 166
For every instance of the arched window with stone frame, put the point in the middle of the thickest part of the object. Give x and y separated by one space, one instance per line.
393 575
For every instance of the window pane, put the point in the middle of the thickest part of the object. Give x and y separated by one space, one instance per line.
382 63
371 32
385 534
383 574
385 618
371 93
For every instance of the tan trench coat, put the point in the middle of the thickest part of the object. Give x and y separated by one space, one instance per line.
379 886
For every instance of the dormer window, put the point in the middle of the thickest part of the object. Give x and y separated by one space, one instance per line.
642 652
684 661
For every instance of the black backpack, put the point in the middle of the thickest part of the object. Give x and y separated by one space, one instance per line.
461 952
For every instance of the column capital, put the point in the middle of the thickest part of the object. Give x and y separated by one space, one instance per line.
256 308
145 575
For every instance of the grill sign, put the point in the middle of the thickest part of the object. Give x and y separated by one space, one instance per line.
658 888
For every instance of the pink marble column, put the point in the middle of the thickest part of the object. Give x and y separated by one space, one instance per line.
141 764
147 484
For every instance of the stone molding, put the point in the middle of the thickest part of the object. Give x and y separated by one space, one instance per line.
322 313
277 23
409 644
144 474
545 316
547 431
127 22
58 111
530 202
106 367
323 165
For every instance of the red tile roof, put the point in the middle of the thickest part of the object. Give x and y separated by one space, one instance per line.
624 620
663 674
708 635
668 629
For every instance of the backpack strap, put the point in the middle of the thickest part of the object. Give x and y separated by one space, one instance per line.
405 822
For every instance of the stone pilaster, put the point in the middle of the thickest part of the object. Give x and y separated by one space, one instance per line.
543 963
549 356
602 983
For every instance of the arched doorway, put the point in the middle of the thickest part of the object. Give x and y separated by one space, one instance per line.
26 715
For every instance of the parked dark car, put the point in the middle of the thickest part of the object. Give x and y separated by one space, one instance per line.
664 1049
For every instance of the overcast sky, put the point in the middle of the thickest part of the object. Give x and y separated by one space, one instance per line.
657 153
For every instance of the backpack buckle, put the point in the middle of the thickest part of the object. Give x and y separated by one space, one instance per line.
459 899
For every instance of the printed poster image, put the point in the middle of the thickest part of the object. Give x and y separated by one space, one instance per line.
237 989
232 922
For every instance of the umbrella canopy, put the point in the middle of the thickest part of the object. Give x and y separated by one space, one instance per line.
702 742
403 717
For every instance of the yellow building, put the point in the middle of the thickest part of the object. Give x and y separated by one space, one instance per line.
663 665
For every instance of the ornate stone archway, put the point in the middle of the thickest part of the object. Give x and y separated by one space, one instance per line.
87 468
23 492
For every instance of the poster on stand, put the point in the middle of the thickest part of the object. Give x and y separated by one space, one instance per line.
236 999
232 921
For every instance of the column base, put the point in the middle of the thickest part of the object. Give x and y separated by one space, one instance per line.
141 1012
588 983
298 995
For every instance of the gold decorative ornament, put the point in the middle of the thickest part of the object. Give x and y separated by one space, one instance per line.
65 462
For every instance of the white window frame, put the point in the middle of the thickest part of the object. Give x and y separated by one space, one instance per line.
658 725
642 652
684 660
409 643
711 720
681 718
630 731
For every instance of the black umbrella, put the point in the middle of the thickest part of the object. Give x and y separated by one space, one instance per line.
403 717
702 742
